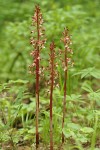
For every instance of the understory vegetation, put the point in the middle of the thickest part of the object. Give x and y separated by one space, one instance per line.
81 130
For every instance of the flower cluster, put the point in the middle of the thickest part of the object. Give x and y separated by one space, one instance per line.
66 39
38 41
52 68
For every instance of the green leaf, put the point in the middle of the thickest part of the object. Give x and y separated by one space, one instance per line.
96 74
18 81
86 130
94 96
87 87
88 72
82 138
73 126
68 133
32 131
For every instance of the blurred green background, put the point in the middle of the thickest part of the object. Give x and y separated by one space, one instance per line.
82 17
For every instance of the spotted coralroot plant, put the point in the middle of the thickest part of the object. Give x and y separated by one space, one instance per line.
52 83
66 63
37 42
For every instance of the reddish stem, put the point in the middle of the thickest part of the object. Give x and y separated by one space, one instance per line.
51 92
37 83
65 91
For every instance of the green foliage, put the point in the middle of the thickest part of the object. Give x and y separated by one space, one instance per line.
17 117
89 72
